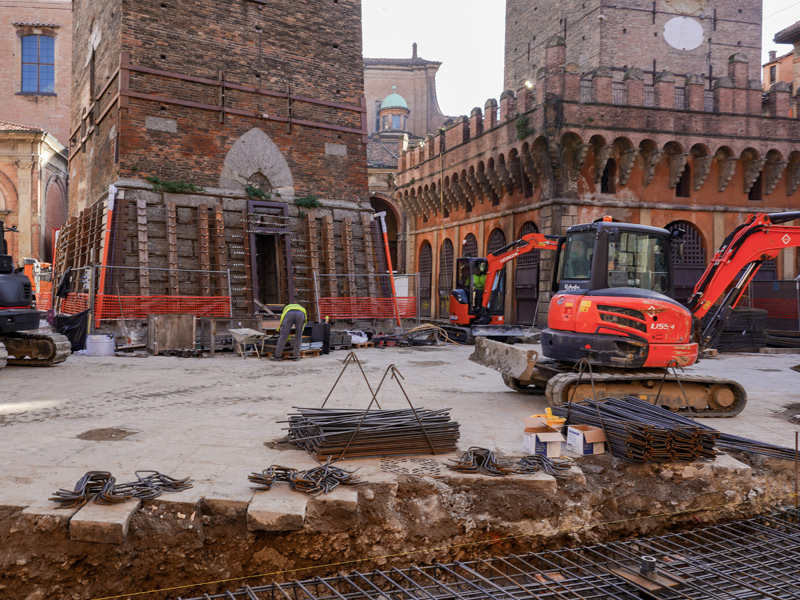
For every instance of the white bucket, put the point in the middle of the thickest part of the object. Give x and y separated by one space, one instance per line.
100 345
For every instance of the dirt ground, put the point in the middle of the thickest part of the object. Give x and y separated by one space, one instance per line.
218 420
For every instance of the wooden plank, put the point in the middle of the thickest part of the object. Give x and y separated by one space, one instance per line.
329 256
349 262
144 266
312 264
220 251
369 255
248 270
203 251
172 249
118 244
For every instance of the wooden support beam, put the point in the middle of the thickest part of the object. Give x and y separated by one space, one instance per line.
369 255
349 261
220 250
141 223
248 270
203 251
173 286
329 256
312 265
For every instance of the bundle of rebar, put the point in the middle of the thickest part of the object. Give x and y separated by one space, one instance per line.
103 487
322 479
643 432
480 460
350 433
724 441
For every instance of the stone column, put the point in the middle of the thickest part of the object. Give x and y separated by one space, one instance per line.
25 206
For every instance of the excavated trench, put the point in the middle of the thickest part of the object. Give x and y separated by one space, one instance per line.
403 520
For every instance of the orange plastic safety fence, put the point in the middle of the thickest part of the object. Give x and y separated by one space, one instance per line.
367 308
108 306
44 300
75 303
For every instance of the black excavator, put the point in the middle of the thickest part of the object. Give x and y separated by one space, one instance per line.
18 320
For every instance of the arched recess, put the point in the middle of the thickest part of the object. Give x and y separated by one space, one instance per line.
254 159
526 280
497 239
688 259
393 224
425 267
56 211
446 264
469 247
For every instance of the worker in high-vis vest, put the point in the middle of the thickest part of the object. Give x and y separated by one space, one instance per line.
293 315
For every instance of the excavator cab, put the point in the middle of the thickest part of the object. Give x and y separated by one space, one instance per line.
606 255
467 304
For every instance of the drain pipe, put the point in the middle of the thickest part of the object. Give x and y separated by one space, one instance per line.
381 216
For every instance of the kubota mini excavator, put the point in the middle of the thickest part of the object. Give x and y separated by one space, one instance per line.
612 306
17 317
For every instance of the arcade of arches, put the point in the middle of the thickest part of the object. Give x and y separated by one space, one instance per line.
523 279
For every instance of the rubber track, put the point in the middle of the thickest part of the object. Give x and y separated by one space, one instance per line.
60 350
558 395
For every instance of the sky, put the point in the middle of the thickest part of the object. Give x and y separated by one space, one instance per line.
467 37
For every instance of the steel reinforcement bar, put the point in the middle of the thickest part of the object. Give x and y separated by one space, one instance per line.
754 559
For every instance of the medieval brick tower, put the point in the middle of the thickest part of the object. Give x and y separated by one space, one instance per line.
219 136
680 36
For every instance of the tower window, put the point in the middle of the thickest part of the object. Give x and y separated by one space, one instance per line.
397 122
773 75
38 65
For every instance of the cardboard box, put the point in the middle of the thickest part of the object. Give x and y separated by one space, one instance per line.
542 440
586 440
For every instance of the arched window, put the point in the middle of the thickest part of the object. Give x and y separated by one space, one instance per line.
469 248
425 273
445 278
688 259
497 239
526 280
38 65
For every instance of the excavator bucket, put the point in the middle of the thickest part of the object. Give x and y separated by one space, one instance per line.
513 361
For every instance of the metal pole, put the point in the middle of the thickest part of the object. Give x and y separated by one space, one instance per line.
91 298
796 465
419 306
230 295
381 217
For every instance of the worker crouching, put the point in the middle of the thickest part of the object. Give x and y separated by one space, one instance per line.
293 315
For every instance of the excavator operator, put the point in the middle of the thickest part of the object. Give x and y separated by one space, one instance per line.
478 284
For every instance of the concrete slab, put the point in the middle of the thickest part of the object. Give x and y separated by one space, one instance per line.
103 523
343 498
229 497
279 509
187 499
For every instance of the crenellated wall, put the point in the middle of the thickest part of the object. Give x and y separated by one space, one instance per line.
652 149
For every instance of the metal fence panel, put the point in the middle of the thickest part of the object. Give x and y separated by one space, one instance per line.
781 300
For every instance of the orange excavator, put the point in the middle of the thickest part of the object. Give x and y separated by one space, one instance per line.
612 306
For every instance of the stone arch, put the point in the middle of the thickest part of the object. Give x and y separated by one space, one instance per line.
8 193
56 211
425 269
256 155
495 241
469 246
446 269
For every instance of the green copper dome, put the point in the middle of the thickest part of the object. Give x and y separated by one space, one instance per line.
394 100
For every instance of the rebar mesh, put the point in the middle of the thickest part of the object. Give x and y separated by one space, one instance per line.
754 559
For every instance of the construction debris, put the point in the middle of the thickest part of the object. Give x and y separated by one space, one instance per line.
103 486
483 460
322 479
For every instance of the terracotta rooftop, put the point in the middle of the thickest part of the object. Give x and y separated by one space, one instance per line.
8 126
790 35
400 61
382 154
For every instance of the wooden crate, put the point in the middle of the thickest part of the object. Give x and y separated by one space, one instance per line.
170 332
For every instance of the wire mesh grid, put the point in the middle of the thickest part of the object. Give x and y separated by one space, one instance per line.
754 559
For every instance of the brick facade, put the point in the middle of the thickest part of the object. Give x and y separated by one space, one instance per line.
47 112
631 33
220 96
568 153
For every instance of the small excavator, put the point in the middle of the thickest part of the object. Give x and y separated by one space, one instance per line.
17 318
612 313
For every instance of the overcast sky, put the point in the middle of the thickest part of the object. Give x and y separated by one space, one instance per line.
467 37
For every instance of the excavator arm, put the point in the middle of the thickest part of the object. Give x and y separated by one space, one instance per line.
498 259
760 239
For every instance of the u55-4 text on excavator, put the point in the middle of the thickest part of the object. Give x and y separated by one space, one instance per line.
18 346
612 306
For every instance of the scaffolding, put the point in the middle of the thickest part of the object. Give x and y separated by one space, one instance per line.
754 559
